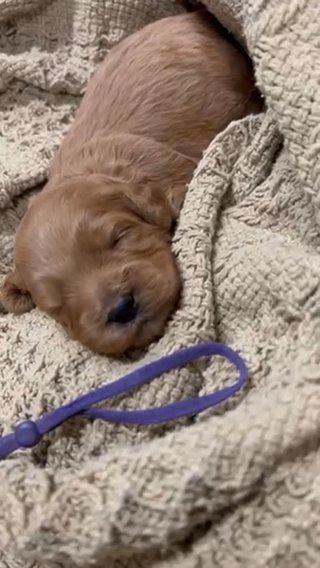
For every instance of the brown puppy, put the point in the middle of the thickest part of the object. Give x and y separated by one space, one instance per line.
93 249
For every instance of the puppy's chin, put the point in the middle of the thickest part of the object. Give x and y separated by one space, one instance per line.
116 341
157 285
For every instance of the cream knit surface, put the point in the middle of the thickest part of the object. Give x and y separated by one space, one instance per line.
233 488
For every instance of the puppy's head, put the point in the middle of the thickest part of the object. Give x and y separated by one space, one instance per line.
95 254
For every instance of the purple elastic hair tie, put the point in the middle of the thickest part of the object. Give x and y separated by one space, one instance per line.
28 434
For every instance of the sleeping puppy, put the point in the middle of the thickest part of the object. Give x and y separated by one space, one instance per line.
94 248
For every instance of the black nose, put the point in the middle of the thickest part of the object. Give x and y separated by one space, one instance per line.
124 310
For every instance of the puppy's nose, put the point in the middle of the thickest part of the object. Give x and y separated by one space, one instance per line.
124 310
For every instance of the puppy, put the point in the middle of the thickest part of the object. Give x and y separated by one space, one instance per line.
93 250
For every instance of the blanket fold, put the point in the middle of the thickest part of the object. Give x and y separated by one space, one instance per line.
234 487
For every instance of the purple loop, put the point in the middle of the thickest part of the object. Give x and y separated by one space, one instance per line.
28 434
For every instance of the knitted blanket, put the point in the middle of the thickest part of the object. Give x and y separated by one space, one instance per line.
234 487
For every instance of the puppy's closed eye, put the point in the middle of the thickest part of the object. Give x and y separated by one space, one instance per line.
118 236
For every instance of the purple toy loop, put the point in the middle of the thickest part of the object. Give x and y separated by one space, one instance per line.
28 434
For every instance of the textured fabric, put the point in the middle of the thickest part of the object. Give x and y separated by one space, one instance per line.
233 488
48 49
283 39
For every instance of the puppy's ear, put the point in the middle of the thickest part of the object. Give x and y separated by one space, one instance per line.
13 295
150 204
156 174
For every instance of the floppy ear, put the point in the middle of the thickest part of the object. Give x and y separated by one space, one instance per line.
150 204
156 174
13 295
162 172
161 175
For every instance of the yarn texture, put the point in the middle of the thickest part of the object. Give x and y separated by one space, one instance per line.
234 487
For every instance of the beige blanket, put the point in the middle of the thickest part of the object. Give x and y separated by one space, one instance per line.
234 488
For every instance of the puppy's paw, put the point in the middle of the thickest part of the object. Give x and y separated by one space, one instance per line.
13 297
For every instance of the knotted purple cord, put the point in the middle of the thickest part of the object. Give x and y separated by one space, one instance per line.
28 434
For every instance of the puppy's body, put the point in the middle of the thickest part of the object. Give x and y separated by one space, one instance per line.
93 249
177 81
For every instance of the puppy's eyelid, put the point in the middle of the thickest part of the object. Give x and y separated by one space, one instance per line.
118 236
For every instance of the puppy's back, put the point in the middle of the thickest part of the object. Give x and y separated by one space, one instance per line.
179 81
